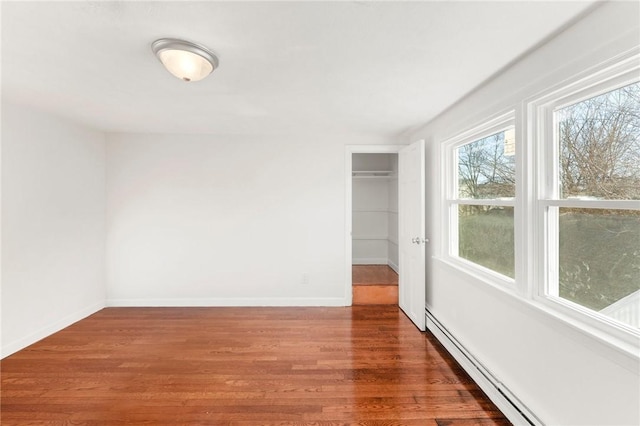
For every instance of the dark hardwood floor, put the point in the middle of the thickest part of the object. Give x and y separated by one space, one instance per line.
365 365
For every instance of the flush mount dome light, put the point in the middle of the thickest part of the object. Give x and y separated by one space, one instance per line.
187 61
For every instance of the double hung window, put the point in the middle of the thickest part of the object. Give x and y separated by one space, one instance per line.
575 209
481 198
590 200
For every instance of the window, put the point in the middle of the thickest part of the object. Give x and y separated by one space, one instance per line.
564 186
589 202
482 193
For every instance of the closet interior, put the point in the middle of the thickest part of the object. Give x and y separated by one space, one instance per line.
375 226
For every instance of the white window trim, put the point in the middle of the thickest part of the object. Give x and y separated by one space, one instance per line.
618 72
449 247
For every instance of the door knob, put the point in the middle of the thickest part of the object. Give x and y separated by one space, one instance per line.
418 240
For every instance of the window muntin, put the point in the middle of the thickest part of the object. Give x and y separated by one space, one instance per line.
482 199
592 224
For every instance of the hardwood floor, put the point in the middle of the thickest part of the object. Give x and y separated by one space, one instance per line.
375 295
374 285
365 365
373 275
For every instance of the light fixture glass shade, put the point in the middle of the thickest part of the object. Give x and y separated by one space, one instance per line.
187 61
185 65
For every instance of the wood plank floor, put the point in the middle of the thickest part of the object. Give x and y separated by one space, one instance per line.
364 365
373 275
374 285
375 295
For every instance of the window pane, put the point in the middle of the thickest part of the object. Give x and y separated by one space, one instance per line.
486 167
599 141
599 260
485 237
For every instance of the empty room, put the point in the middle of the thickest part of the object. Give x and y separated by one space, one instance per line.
320 213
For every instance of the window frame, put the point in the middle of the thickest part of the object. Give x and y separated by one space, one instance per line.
475 133
610 76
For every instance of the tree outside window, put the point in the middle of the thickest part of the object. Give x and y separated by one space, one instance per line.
486 171
598 254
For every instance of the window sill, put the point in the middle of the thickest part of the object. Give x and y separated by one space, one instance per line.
487 275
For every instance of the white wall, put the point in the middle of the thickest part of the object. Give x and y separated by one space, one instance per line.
214 220
53 225
564 376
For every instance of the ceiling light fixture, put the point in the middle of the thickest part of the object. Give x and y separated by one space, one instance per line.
187 61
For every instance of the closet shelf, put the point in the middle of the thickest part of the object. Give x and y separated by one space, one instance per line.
368 174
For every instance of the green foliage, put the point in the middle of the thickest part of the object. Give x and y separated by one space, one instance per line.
599 250
486 237
599 257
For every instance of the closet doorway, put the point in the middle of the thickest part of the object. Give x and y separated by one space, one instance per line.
374 221
408 165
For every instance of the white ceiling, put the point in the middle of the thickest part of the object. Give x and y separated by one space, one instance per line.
285 67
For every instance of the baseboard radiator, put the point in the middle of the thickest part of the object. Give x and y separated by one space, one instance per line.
506 401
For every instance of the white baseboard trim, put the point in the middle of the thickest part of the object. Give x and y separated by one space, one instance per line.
507 402
393 266
370 261
40 334
221 302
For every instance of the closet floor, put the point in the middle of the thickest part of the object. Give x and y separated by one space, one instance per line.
374 285
373 275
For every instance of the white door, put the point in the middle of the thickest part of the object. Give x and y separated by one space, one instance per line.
411 238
